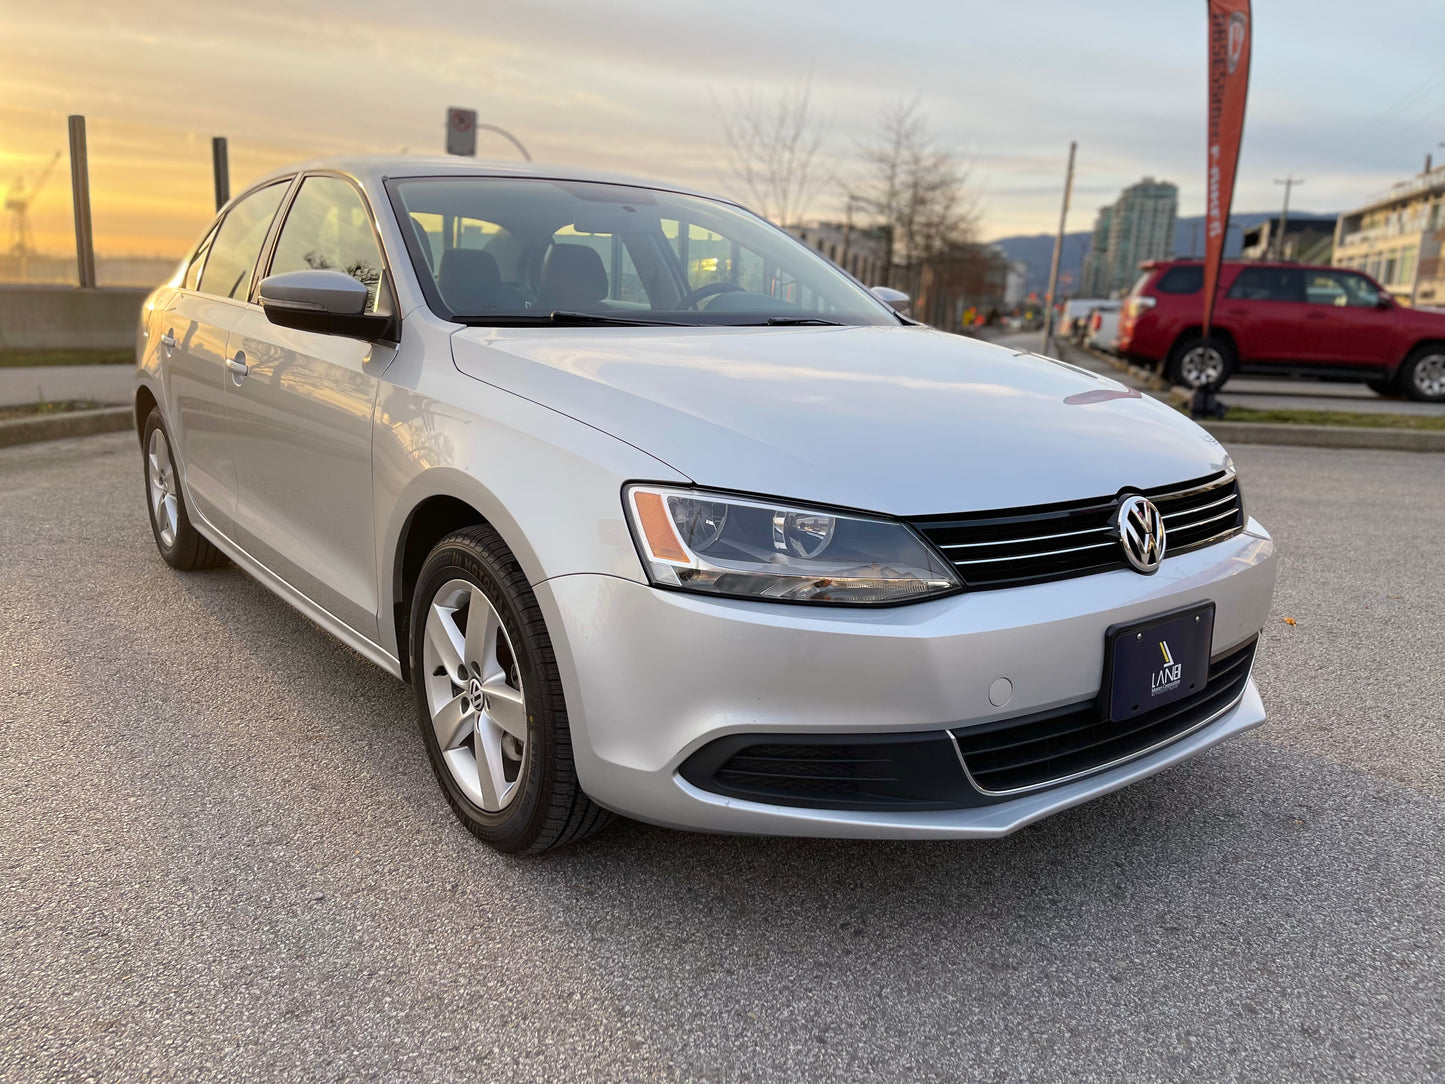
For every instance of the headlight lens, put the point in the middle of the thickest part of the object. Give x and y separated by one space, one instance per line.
781 552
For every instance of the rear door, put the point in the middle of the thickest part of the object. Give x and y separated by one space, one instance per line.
1264 311
1344 324
195 327
301 415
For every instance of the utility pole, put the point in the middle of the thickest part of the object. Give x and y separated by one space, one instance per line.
1289 182
221 170
80 197
1058 250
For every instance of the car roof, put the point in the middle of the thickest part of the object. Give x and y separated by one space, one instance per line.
377 168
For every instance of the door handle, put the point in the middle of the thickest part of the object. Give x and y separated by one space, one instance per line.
237 367
168 340
1316 316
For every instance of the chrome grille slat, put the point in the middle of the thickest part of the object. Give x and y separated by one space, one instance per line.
991 548
1230 499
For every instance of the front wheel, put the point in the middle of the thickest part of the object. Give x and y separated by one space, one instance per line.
489 699
1199 363
1422 377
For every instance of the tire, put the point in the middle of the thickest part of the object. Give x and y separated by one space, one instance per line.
1386 388
181 545
1188 367
1422 377
522 795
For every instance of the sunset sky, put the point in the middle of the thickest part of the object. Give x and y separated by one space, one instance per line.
1350 96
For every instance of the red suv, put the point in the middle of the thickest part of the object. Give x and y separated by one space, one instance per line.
1283 318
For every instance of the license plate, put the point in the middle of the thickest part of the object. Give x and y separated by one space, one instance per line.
1157 661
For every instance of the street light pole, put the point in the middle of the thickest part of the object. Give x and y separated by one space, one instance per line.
1289 182
1058 250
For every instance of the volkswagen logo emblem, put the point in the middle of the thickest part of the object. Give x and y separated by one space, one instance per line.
1141 533
475 694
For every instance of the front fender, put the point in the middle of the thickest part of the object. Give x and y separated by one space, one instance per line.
549 485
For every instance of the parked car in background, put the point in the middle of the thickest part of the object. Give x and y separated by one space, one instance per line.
1289 319
1074 320
1104 329
661 513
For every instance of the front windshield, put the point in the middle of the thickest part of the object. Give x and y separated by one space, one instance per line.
503 251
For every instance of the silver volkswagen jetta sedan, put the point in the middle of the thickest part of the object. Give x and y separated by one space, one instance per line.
661 513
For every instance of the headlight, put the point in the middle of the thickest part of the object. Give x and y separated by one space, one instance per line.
742 548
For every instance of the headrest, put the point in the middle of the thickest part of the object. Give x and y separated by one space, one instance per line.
572 276
469 279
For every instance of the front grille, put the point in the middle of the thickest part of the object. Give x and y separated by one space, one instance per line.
1020 754
1016 546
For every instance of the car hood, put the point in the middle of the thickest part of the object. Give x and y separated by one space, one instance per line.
902 420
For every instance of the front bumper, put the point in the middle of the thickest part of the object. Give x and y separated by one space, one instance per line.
652 676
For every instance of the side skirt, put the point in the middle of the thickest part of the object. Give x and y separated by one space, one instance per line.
303 604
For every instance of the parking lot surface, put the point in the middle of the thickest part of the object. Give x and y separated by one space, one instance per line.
225 858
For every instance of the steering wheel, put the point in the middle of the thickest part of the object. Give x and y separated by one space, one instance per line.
690 300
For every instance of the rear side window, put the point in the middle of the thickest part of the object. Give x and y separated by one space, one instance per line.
232 259
1268 284
328 228
1184 279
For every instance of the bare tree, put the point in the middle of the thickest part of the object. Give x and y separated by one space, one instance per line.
773 146
918 193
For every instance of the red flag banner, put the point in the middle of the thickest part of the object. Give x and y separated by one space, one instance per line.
1230 31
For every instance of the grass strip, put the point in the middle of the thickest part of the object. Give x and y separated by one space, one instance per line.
41 409
1353 420
29 359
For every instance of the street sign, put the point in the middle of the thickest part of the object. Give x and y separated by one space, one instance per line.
462 131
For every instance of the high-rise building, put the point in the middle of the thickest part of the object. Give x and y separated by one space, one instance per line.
1139 226
1092 279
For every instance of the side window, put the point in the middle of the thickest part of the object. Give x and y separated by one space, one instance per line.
198 261
1324 288
1268 284
227 270
1360 292
1184 279
328 229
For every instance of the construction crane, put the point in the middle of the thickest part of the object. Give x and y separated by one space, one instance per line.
17 202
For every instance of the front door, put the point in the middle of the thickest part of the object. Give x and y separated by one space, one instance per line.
301 416
1345 324
195 329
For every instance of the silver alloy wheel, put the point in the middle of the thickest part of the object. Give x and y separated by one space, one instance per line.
161 484
1202 365
474 694
1429 375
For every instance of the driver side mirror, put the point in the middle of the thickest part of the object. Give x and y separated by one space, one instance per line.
327 302
897 299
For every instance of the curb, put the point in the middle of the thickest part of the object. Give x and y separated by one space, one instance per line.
1327 436
79 423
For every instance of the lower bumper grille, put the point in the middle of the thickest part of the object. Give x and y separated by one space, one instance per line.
951 770
1043 750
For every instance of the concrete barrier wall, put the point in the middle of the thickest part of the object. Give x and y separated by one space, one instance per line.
67 318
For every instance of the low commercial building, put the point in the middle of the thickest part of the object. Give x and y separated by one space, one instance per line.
1396 239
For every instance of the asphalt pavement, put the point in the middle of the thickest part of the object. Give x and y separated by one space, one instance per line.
223 856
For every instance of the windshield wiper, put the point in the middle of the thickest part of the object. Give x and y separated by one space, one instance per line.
561 316
795 321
